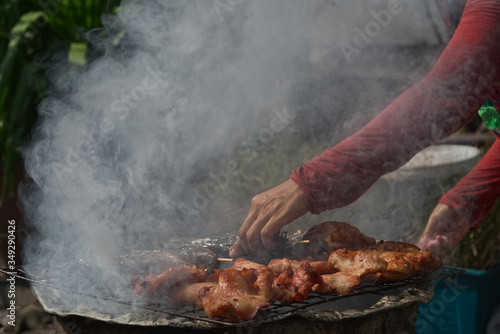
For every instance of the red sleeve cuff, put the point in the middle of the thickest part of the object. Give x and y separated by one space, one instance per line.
298 177
476 194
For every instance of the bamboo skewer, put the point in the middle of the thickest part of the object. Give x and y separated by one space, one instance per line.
300 242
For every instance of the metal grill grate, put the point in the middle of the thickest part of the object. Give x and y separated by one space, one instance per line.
274 311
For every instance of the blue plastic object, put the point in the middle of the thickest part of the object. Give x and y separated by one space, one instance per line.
461 304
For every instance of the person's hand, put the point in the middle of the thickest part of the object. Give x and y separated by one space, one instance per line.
269 211
445 228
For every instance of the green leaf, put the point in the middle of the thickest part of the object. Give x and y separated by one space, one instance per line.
21 34
491 117
78 53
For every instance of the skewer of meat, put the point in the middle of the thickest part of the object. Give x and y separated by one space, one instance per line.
237 293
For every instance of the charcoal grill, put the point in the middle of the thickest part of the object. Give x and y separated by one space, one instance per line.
388 308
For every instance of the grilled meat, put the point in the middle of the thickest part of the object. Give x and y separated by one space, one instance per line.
168 281
241 263
283 290
303 280
189 294
392 246
384 266
401 266
359 263
237 293
278 266
232 298
341 283
338 235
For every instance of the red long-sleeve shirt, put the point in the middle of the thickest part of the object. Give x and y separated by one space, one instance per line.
449 96
476 193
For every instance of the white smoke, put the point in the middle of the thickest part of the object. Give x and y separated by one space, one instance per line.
183 84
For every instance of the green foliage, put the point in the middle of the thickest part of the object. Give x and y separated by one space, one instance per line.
29 28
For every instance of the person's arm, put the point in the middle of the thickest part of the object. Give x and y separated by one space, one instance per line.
440 104
465 206
437 106
475 194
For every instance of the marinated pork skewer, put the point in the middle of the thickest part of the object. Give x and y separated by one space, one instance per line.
238 292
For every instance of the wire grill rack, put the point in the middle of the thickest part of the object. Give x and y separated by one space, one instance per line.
274 311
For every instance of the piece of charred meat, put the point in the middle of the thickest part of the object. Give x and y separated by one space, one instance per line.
341 283
338 235
283 290
382 266
360 263
189 294
303 281
234 297
393 246
241 263
404 265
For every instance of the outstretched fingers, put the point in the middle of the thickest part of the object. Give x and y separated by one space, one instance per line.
269 212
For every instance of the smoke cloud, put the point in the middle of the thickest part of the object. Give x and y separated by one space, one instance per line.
142 146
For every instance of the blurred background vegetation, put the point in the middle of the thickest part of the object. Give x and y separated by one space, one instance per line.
31 31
